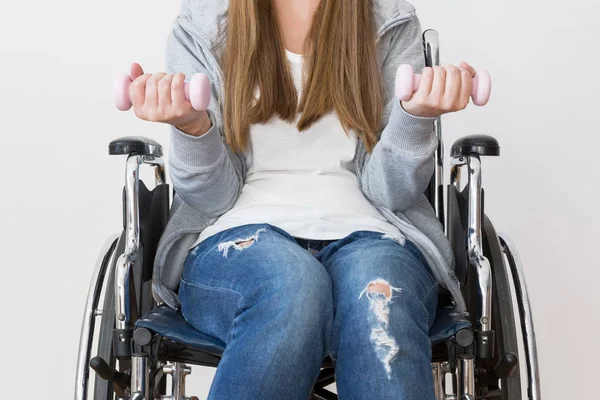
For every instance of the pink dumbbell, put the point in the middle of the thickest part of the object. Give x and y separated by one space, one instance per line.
407 82
197 91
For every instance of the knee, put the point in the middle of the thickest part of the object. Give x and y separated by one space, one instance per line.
380 287
378 302
383 306
306 292
378 295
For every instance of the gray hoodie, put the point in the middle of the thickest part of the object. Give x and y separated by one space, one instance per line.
208 176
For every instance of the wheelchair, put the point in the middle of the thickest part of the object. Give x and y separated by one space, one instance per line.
139 344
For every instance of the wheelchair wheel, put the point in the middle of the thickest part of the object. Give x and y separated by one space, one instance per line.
530 361
504 321
104 390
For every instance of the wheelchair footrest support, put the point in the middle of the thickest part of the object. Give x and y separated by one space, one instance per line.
139 375
461 366
466 378
178 373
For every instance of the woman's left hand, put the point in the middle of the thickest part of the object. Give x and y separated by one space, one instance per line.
442 90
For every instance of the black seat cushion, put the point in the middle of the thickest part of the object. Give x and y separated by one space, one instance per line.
448 321
171 324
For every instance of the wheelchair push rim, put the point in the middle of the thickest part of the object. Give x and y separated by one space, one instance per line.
511 320
525 314
101 291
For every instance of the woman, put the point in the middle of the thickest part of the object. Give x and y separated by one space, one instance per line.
300 211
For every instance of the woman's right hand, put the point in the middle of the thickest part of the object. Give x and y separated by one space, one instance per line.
160 98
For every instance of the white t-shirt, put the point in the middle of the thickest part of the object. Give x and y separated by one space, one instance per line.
302 182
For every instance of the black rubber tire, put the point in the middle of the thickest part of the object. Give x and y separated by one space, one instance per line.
103 390
504 320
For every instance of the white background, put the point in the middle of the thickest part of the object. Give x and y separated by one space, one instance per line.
61 191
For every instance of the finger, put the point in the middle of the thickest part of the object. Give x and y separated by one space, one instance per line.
135 71
466 88
137 91
426 82
164 91
151 100
452 89
177 91
466 66
439 84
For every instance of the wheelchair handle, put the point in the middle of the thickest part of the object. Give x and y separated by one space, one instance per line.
197 92
407 82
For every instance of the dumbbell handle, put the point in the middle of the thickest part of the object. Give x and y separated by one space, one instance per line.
407 82
197 92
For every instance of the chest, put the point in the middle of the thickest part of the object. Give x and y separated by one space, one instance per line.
279 146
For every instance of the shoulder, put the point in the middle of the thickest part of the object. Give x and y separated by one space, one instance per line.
204 6
394 6
386 11
206 16
209 15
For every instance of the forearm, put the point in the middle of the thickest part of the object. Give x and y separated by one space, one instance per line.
401 165
202 172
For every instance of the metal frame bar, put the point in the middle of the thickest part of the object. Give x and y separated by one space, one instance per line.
475 244
132 233
178 373
438 380
466 379
431 43
139 375
474 233
89 317
132 243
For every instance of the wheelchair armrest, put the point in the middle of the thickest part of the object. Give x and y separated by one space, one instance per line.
482 145
135 144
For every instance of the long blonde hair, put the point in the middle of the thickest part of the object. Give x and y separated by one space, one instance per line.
341 70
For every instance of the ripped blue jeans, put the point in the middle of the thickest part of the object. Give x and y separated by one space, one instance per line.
282 305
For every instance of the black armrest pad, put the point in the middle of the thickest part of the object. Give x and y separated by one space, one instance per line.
135 144
482 145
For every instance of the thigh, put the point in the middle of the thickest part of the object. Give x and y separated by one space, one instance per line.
385 298
231 271
367 261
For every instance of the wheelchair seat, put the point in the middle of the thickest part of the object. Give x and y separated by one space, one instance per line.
171 324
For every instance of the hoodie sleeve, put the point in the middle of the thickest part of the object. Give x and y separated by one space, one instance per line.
205 172
400 167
